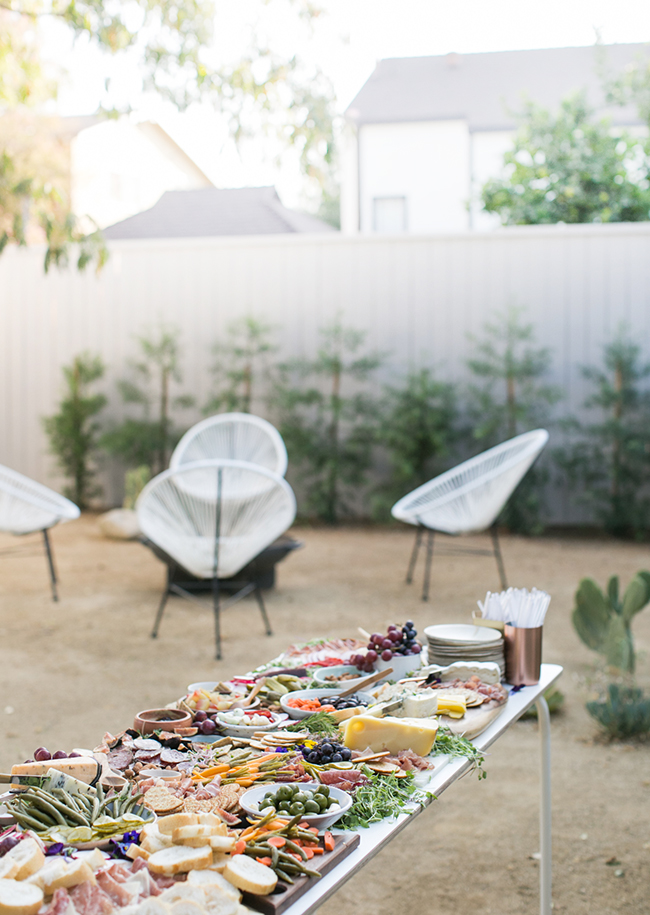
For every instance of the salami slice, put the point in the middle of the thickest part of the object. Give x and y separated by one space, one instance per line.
120 759
169 756
146 743
147 755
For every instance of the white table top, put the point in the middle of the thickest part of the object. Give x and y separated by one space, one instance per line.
447 770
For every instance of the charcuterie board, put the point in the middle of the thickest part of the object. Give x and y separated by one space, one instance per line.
284 895
475 720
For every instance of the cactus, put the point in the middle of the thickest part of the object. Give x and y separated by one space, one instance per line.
603 620
625 712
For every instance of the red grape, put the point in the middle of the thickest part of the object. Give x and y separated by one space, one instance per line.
200 716
375 637
387 643
371 656
386 655
42 754
60 754
208 726
417 648
370 645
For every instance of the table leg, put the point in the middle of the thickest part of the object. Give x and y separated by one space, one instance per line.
545 863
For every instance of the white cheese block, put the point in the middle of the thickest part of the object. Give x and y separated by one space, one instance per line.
83 768
420 705
393 734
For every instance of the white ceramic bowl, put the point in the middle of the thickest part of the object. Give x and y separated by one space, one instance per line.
321 694
250 800
324 672
247 730
402 665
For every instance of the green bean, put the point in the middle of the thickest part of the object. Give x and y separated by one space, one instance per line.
296 848
49 808
282 875
100 792
95 811
275 857
31 822
63 808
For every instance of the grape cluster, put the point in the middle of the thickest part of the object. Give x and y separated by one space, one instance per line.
206 724
42 754
397 641
326 751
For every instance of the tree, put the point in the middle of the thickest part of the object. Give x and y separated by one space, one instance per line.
509 398
148 440
569 168
172 42
418 430
240 361
73 433
329 429
609 460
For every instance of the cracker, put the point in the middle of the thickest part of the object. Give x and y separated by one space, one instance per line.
160 800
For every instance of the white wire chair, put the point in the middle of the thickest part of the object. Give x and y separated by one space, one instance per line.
208 520
235 437
468 498
27 507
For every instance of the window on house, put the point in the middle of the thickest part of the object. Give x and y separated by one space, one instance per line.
389 215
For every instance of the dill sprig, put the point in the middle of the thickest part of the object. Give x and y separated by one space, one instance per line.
449 744
318 723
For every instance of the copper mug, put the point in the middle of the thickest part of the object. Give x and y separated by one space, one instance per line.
523 650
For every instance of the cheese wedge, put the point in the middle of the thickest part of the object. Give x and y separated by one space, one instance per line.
392 734
420 705
83 768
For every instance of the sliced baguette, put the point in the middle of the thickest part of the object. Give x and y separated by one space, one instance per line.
211 819
187 907
95 858
167 825
136 851
219 861
194 835
28 857
217 902
222 843
249 875
58 872
153 905
9 867
211 877
19 898
153 843
179 860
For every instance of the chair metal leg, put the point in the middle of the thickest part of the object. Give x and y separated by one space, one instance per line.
414 555
216 603
427 567
545 864
161 606
260 601
50 561
497 555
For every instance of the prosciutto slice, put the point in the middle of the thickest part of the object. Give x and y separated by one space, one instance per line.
90 900
114 890
61 904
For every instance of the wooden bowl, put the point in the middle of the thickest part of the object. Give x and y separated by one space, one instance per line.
161 719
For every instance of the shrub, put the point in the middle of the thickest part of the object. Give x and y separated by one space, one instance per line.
625 713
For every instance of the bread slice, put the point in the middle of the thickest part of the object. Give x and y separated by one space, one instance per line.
136 851
187 907
95 858
222 843
249 875
219 861
28 857
182 892
217 902
154 843
179 860
58 872
153 905
211 877
167 825
211 819
196 835
19 898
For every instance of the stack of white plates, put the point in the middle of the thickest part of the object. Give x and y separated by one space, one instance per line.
458 642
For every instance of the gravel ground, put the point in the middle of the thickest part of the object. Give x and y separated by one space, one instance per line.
68 671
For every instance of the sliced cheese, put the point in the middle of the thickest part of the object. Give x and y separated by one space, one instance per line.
83 768
392 734
454 706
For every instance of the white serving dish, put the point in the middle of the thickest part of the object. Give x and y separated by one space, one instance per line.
460 634
312 694
320 675
249 802
208 685
247 730
487 671
402 665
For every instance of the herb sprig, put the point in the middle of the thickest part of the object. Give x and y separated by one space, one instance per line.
383 797
449 744
318 723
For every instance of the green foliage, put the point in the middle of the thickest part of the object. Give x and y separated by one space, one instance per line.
569 168
134 482
418 430
607 462
625 713
148 440
73 433
603 621
327 420
508 398
240 361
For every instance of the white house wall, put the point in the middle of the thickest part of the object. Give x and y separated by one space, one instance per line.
427 163
418 297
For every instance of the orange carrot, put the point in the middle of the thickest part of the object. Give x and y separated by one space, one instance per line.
313 829
239 847
328 841
309 852
317 850
277 841
266 861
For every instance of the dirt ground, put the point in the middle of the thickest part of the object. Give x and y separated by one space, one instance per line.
68 671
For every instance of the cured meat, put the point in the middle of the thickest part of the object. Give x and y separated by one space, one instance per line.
147 755
119 871
408 760
345 779
117 893
229 818
138 865
61 904
162 882
169 756
120 758
90 900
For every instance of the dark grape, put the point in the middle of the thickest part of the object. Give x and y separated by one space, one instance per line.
386 655
73 754
416 648
409 624
207 727
42 754
60 754
200 716
336 757
370 646
375 637
371 656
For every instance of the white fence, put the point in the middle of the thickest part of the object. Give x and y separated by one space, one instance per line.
418 297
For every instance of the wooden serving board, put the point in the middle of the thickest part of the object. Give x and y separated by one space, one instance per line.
474 721
284 896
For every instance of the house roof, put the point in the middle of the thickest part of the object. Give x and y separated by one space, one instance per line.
216 211
485 89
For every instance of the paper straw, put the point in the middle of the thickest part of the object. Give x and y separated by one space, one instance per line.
517 607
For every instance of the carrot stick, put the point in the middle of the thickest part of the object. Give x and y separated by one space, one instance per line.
277 841
239 848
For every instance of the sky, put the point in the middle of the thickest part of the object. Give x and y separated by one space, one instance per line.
346 42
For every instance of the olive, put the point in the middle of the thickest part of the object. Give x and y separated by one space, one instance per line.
321 801
296 809
312 807
284 805
324 790
300 798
